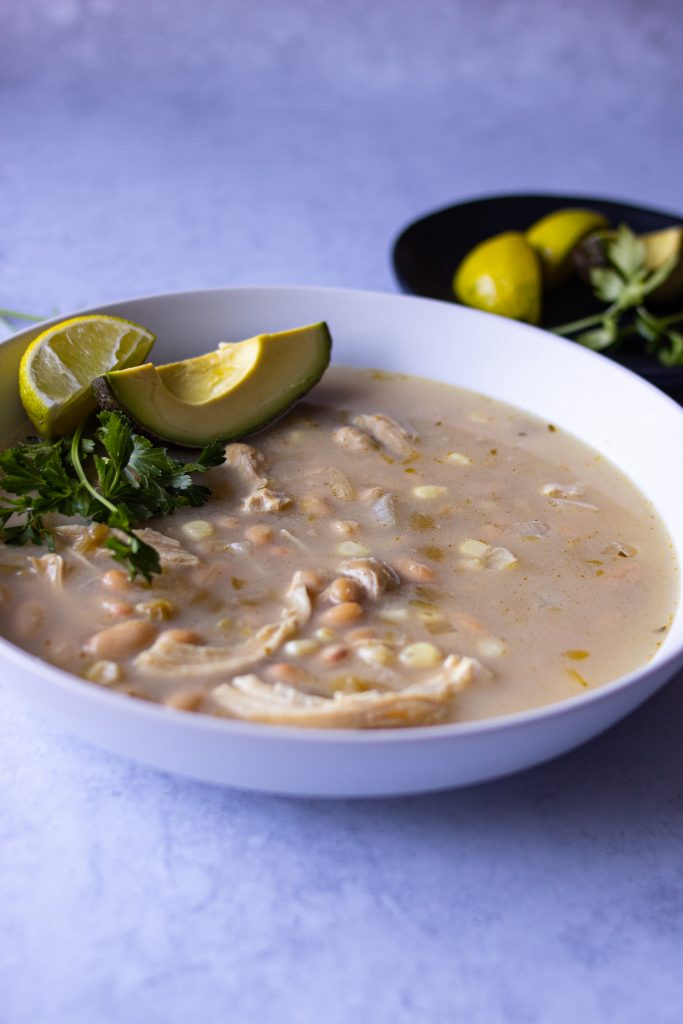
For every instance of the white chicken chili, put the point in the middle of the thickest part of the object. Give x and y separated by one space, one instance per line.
394 552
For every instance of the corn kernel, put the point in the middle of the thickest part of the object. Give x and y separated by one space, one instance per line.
458 458
345 527
500 558
106 673
299 648
378 653
420 655
349 684
352 549
198 529
492 647
427 492
398 614
473 548
158 610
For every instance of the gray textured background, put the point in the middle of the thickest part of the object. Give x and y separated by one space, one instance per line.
172 144
160 145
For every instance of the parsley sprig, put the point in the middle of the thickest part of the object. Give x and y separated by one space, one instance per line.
111 475
625 283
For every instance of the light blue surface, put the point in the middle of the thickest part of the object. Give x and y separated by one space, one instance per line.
147 147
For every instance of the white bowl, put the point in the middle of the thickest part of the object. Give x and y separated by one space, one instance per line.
628 420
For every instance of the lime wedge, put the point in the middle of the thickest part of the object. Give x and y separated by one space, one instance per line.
501 275
59 366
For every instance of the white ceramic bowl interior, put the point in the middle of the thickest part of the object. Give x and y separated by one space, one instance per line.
626 419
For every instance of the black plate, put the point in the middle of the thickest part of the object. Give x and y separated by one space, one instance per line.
427 252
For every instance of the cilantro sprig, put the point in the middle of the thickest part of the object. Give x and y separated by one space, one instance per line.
111 475
624 283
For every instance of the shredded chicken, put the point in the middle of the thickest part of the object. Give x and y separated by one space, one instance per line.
338 483
385 510
373 575
191 661
263 499
533 528
171 554
387 432
460 671
249 462
185 660
354 440
252 466
299 599
51 568
620 549
481 555
371 494
576 504
84 539
248 697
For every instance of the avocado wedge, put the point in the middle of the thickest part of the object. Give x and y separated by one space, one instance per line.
223 395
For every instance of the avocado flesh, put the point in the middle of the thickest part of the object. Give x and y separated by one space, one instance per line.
661 246
222 395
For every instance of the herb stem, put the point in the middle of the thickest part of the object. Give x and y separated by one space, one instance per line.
80 472
12 314
587 321
673 318
577 325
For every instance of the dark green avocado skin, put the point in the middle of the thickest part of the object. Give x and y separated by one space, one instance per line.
108 400
105 397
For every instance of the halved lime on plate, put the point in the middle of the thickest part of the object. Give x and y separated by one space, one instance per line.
58 367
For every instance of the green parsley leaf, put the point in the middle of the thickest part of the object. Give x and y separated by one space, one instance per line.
607 284
112 476
673 355
599 338
626 252
624 283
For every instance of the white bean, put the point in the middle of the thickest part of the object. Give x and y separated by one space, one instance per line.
340 614
121 641
116 579
185 700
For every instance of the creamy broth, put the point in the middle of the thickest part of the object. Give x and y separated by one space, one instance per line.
395 551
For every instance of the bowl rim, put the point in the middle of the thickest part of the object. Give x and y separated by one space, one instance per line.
159 713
